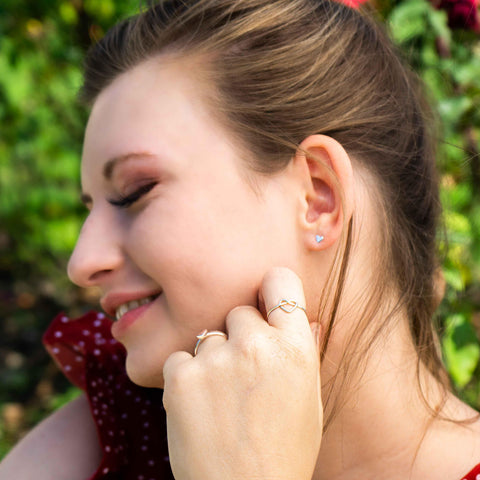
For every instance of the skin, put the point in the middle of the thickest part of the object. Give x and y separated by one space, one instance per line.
205 229
51 451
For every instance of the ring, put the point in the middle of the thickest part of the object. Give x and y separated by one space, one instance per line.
288 306
205 334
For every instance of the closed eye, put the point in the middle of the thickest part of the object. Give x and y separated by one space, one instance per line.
127 201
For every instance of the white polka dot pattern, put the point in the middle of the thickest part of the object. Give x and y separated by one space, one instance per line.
130 419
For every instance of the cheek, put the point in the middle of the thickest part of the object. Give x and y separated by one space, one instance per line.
209 237
202 229
206 245
206 264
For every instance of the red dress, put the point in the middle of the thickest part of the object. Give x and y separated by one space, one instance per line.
130 420
474 474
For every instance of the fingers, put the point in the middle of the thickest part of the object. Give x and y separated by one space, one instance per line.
174 364
175 360
282 292
281 297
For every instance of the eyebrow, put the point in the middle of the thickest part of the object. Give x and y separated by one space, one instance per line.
109 168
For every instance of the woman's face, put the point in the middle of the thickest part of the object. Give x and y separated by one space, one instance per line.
189 238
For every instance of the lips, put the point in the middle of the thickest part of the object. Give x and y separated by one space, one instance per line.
126 307
117 304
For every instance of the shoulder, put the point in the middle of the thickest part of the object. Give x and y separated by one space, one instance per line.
453 446
51 451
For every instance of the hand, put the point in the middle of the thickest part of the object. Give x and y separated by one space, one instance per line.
249 407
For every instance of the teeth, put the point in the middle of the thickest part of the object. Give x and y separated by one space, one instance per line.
126 307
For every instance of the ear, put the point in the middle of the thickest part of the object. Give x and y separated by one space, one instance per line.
328 196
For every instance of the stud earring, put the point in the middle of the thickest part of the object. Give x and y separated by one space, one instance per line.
319 238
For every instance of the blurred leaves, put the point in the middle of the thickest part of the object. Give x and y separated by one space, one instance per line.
42 45
461 349
449 63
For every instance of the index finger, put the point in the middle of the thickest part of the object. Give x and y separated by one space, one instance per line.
282 292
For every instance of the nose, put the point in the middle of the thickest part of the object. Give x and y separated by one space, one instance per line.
97 254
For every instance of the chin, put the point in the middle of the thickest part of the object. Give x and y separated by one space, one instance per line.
143 374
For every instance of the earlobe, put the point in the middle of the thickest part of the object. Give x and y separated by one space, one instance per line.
329 190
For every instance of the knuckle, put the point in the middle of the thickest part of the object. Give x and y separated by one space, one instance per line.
297 347
237 314
254 346
298 355
272 350
177 381
240 311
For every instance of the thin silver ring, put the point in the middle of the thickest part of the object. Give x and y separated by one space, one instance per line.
288 306
205 334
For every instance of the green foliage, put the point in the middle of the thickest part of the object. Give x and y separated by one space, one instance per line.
449 64
460 348
42 44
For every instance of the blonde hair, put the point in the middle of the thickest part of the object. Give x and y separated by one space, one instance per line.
287 69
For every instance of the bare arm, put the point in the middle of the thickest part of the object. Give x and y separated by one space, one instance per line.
63 447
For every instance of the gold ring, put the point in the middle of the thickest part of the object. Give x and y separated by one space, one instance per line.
205 334
288 306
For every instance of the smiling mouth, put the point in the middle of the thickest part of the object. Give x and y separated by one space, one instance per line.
126 307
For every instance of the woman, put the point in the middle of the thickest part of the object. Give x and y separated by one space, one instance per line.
230 144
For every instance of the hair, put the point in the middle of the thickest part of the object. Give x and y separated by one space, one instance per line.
287 69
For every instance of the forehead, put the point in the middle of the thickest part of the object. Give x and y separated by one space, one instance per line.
157 100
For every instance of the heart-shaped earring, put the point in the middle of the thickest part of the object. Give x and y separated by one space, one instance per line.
319 238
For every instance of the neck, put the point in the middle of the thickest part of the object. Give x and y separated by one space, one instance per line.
376 422
385 430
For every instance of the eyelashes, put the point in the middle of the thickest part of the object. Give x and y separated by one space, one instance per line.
127 201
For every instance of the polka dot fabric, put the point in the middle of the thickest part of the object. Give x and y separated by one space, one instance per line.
130 420
474 474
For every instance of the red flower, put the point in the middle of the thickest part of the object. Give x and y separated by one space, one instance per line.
353 3
461 13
